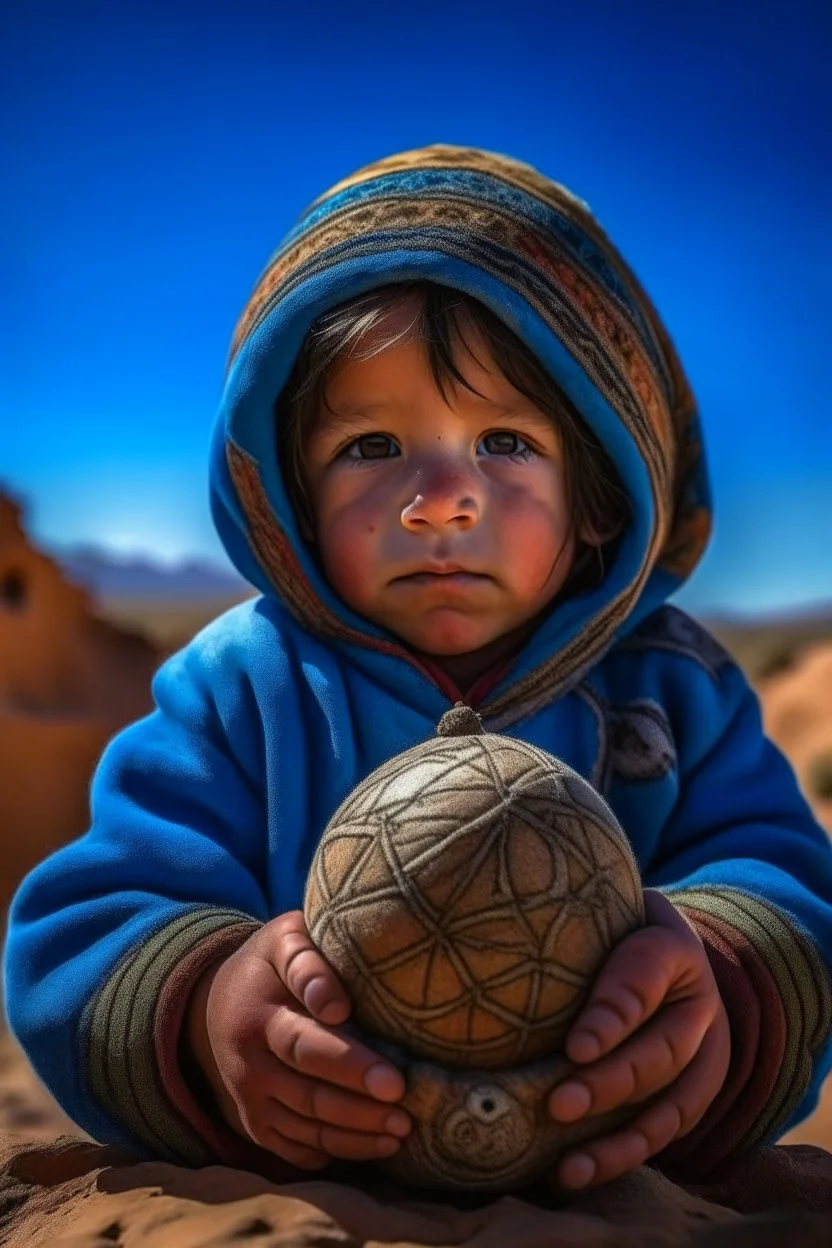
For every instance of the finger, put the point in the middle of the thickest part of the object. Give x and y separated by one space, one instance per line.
648 1062
670 1118
660 910
305 971
330 1140
629 989
296 1154
326 1103
631 986
320 1053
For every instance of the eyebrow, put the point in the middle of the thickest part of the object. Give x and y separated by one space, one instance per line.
348 415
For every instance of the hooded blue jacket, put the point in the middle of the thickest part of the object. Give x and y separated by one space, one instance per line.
206 813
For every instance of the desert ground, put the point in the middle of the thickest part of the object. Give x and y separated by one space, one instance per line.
57 1187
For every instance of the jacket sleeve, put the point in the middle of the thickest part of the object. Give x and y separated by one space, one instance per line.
169 876
746 862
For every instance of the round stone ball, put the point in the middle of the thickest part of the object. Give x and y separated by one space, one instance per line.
467 893
488 1131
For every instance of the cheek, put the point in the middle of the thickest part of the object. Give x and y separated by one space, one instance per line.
347 535
534 528
538 510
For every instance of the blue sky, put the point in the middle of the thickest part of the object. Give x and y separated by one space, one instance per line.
158 152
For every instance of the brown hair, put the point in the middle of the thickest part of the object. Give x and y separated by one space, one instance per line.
596 498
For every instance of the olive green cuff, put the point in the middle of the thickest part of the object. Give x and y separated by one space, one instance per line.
122 1060
802 980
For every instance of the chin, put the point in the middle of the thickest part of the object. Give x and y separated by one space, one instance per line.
450 643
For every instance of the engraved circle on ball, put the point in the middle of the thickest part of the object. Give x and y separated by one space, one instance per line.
490 1132
488 1135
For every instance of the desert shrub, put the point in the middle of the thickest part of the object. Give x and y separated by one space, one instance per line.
819 776
773 659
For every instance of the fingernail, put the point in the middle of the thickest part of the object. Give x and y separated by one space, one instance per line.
383 1082
317 1000
570 1101
331 1013
578 1170
397 1123
584 1046
386 1146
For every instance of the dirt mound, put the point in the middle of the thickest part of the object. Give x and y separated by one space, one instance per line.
797 711
77 1194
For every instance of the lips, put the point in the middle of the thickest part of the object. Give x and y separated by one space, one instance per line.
441 575
438 569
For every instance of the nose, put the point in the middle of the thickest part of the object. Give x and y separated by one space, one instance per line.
445 495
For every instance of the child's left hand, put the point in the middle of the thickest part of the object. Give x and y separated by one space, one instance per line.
659 973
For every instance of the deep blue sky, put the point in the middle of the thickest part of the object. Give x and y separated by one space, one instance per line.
158 151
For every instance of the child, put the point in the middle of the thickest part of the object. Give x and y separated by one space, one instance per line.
457 454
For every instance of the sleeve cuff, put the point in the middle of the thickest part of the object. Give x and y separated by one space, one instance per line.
133 1031
183 1084
777 996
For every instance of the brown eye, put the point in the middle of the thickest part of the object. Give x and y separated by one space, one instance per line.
370 446
505 443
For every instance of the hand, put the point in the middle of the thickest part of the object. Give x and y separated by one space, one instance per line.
264 1027
659 973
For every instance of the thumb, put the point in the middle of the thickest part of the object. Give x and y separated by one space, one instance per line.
630 987
305 971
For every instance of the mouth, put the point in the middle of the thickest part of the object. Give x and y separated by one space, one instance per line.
438 567
447 576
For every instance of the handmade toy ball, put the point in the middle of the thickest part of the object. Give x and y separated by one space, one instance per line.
467 893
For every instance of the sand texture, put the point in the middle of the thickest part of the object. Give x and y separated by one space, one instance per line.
72 1193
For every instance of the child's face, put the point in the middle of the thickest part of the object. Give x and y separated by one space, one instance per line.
403 484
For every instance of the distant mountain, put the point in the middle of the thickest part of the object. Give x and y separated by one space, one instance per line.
109 576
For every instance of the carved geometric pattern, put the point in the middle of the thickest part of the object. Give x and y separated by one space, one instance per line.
467 892
487 1130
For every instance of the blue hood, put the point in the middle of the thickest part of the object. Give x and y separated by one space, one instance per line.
529 250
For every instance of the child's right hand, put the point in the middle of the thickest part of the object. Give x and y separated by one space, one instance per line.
263 1026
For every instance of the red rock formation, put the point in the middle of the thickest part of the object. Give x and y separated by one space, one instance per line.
68 680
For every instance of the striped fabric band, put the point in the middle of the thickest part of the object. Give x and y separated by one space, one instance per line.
802 980
120 1041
